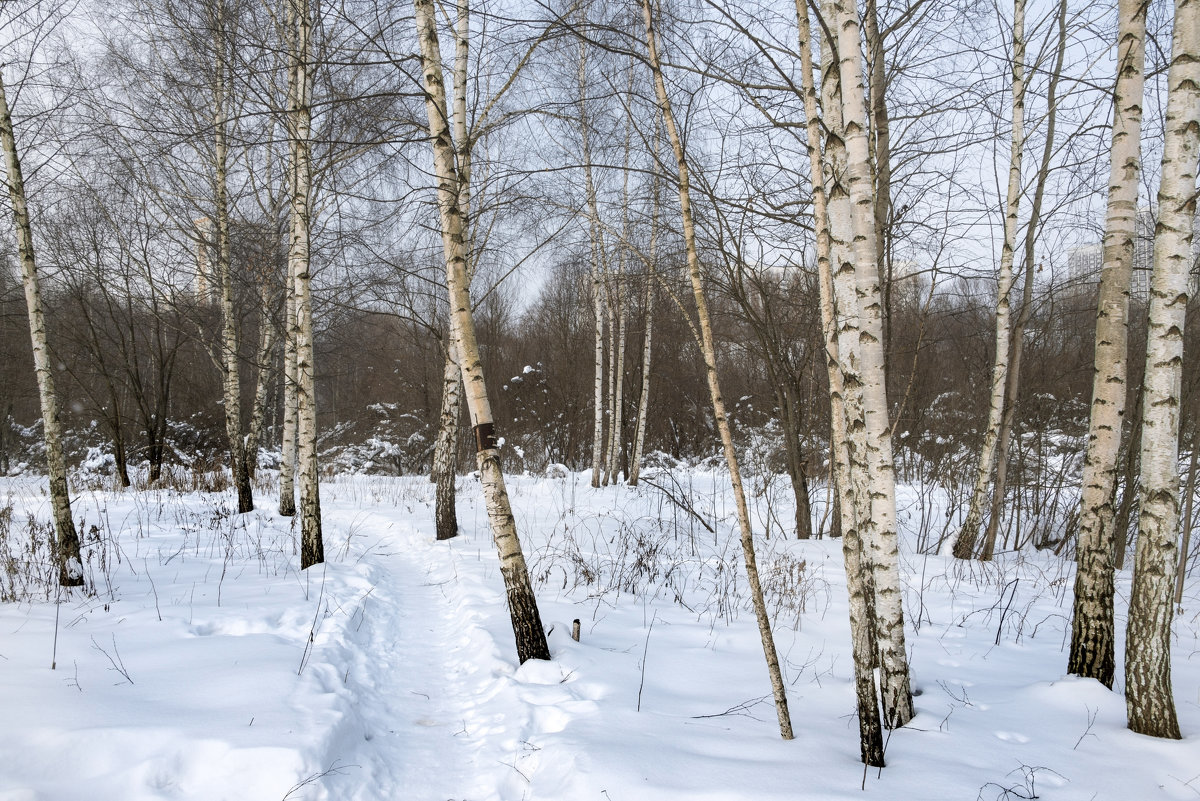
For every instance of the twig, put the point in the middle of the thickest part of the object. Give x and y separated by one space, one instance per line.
57 608
312 632
1092 713
684 506
153 589
742 709
114 658
333 770
645 650
1011 596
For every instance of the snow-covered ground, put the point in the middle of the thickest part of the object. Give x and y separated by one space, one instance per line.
206 666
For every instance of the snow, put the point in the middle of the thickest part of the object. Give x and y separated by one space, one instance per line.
206 666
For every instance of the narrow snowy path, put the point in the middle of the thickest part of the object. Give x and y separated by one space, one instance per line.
434 711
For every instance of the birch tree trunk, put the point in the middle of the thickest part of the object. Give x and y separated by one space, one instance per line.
1017 337
639 437
287 459
230 336
597 247
522 605
964 544
710 362
70 564
878 529
610 382
312 549
263 381
446 449
1130 469
1189 496
618 356
880 141
1092 650
858 583
1148 696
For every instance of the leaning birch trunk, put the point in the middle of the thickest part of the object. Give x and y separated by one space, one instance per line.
1148 696
870 728
1017 335
312 549
710 363
639 437
878 530
597 256
964 544
230 336
70 564
522 605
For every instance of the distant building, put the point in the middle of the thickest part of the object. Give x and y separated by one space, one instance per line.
1084 263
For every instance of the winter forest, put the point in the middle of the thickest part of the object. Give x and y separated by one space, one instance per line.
505 400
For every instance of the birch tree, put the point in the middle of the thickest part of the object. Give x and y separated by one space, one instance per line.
522 605
964 544
299 124
596 249
879 534
643 410
859 586
708 349
1091 654
446 447
221 91
1148 695
70 564
1017 334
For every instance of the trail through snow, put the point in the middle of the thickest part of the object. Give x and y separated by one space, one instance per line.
437 713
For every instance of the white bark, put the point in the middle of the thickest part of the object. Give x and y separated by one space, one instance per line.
70 565
230 336
639 438
1092 650
862 619
1017 336
878 529
287 460
445 449
262 383
710 361
526 620
1148 696
597 248
312 550
964 545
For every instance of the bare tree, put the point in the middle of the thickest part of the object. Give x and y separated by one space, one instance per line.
1092 648
522 605
880 537
70 564
964 545
1148 695
708 348
312 550
858 583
